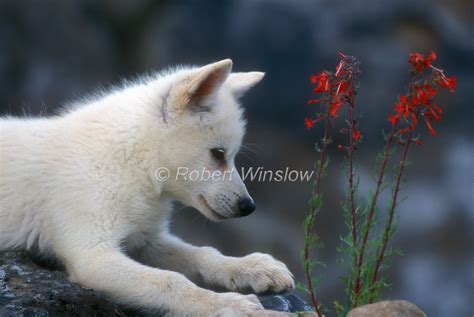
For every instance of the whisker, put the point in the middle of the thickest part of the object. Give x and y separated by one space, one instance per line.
252 146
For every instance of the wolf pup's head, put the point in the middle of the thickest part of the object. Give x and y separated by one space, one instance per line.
205 131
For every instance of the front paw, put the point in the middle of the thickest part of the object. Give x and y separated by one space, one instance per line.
234 304
260 273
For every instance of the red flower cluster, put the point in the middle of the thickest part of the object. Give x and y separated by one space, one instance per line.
419 62
420 99
336 89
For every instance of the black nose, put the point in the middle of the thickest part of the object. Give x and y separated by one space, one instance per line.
246 206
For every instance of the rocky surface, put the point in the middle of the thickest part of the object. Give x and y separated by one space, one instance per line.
27 289
285 303
395 308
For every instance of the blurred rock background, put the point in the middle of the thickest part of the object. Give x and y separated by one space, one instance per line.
52 51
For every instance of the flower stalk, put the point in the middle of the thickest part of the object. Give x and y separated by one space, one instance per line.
350 155
370 215
389 225
311 220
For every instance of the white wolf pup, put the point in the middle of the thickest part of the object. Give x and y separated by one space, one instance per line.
84 186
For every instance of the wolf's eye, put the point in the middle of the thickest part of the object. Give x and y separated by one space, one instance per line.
218 153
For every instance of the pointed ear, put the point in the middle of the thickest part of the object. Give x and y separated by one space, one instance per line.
201 85
239 83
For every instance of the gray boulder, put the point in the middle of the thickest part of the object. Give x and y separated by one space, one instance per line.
392 308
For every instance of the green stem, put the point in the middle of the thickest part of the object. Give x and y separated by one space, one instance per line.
351 187
389 224
371 213
351 172
309 228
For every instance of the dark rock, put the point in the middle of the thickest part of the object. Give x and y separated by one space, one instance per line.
284 303
27 289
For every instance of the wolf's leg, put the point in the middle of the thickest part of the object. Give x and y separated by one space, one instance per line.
112 272
256 272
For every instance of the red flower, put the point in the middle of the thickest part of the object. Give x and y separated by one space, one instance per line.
323 82
356 135
430 58
424 94
433 113
313 79
309 123
314 101
419 62
393 119
342 87
402 107
342 55
430 128
447 82
335 107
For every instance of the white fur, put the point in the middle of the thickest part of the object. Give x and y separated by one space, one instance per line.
82 186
